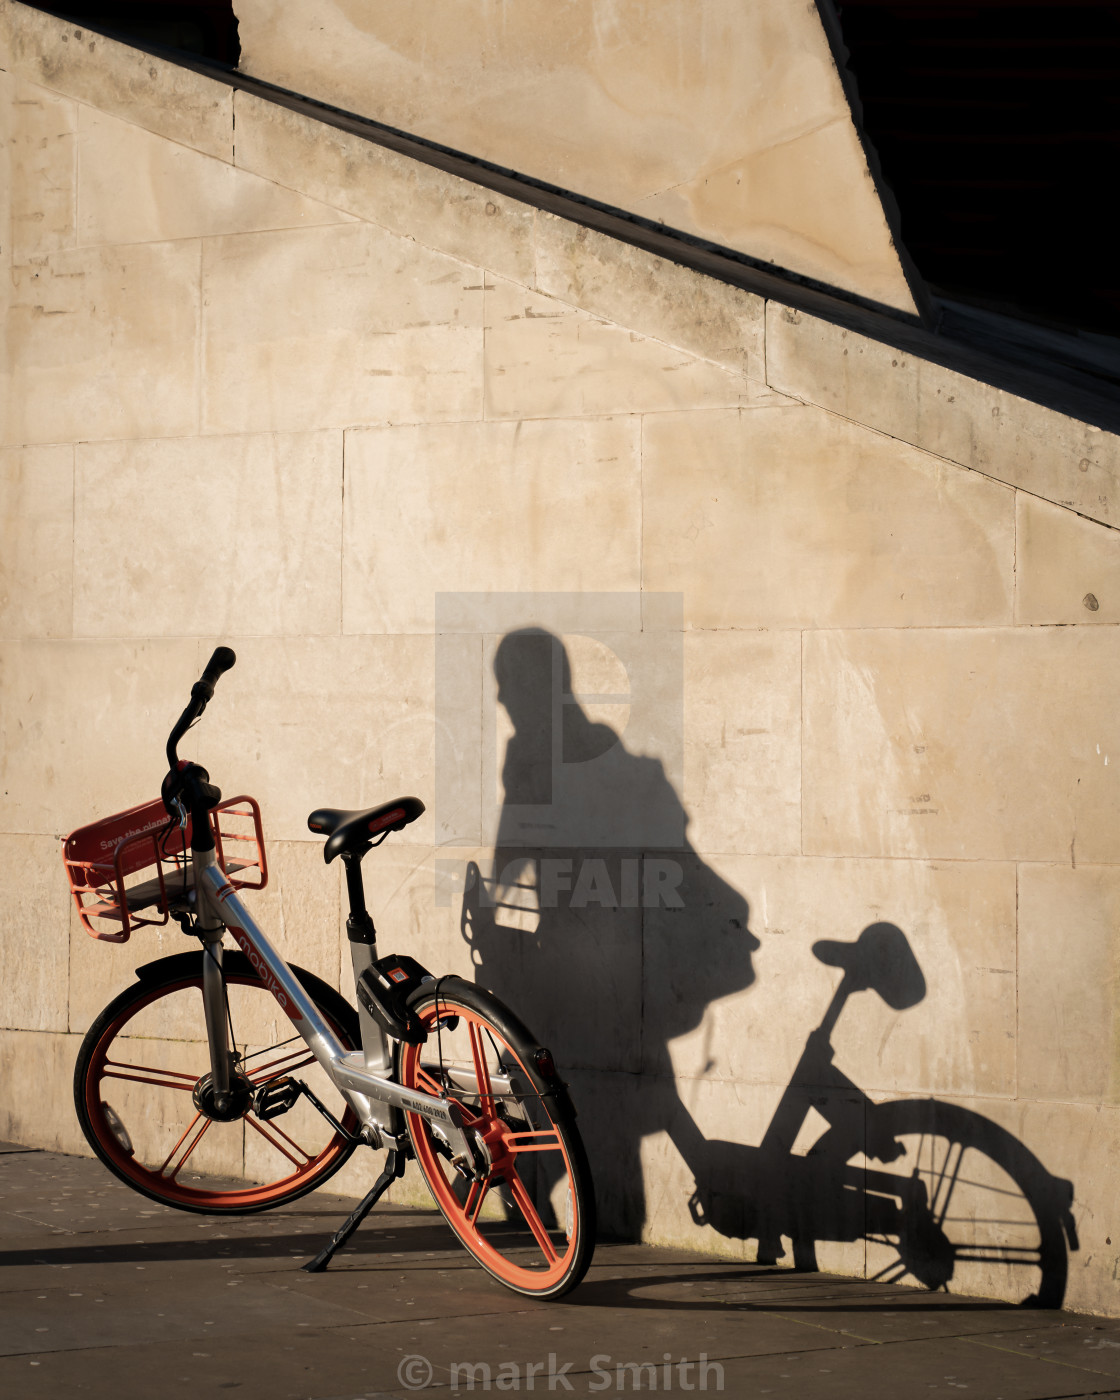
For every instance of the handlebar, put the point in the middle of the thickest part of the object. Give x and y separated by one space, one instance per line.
201 693
187 785
222 660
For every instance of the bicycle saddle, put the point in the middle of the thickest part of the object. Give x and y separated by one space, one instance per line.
880 960
352 833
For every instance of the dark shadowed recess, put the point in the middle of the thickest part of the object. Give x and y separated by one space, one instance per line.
207 28
995 125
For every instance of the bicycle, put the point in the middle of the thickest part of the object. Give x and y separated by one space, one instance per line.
188 1110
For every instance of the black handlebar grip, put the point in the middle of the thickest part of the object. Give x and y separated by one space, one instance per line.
218 664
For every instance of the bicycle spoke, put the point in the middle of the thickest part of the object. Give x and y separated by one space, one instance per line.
148 1074
198 1118
272 1133
475 1196
943 1190
1000 1253
481 1068
536 1140
425 1081
270 1049
532 1219
895 1270
275 1069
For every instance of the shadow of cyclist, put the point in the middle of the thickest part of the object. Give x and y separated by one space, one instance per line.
612 947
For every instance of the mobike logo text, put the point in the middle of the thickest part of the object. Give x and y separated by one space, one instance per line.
262 968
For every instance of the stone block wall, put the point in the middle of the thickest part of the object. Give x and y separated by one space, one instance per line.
876 595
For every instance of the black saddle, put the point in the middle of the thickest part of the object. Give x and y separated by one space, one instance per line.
353 833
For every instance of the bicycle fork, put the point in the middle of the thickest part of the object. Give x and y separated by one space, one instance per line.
214 1002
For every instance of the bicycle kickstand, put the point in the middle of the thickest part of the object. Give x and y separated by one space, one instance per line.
394 1169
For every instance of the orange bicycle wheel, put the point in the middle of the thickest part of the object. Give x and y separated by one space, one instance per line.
140 1090
528 1216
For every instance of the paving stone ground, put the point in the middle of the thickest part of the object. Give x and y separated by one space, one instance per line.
104 1294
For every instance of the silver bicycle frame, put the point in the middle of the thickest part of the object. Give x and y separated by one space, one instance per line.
349 1071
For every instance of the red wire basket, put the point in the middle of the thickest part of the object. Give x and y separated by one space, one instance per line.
126 870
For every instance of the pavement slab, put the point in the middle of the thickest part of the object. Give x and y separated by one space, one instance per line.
106 1295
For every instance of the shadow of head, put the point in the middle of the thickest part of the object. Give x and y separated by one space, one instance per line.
534 676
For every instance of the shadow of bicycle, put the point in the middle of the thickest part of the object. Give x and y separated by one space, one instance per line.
938 1195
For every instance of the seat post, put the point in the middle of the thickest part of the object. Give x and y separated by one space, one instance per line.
363 950
359 925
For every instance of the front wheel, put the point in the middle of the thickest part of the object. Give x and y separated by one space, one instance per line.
141 1092
528 1215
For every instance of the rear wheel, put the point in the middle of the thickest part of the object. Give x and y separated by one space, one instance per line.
965 1207
142 1092
528 1213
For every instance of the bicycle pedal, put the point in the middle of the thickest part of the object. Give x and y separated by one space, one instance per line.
276 1097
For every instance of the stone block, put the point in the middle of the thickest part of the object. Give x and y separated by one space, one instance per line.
651 295
1008 438
135 187
307 722
36 541
1069 968
41 169
742 741
83 727
788 517
976 744
37 1106
413 200
532 507
150 92
262 513
7 140
100 971
1065 566
103 343
316 328
732 987
33 952
546 360
415 895
1080 1143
